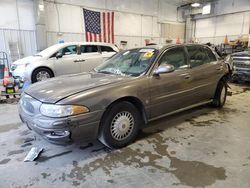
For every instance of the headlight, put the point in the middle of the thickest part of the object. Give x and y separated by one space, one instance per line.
13 67
52 110
23 66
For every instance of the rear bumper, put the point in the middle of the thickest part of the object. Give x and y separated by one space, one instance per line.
64 130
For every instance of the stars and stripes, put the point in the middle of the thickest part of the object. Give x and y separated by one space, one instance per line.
99 26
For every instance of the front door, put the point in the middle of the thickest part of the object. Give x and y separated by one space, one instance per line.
170 91
67 63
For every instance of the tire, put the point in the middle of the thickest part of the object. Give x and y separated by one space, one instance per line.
220 95
47 73
234 79
120 124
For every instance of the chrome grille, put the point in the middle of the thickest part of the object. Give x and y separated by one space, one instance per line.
242 65
241 62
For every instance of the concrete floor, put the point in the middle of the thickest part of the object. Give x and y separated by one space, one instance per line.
203 147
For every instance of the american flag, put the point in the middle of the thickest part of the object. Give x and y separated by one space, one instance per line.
99 26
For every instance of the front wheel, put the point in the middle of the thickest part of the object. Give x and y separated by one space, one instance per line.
220 94
41 74
120 125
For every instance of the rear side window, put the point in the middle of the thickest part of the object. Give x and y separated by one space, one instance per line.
197 56
210 54
175 57
88 48
106 49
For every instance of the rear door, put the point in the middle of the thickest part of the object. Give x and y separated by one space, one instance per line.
170 91
67 63
90 57
205 71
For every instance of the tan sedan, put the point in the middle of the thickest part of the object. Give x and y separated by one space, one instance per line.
124 93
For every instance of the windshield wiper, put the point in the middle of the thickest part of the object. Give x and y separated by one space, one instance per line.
129 73
105 72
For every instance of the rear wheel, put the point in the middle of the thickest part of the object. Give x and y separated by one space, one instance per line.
220 94
41 74
120 125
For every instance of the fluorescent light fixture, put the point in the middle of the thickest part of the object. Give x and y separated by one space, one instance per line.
41 7
206 9
195 4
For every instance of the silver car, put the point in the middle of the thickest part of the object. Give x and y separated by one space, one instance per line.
61 59
123 94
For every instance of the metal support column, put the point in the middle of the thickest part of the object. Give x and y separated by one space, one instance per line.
40 25
189 29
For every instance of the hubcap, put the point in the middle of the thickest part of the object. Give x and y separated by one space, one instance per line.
223 94
42 75
122 125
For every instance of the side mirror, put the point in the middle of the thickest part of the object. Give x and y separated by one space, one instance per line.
67 53
165 68
59 55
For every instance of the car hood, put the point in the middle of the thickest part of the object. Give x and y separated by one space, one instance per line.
241 54
28 59
56 89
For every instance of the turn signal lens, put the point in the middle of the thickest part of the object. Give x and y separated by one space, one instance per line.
79 109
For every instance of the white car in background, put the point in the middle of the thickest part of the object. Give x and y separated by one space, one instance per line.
61 59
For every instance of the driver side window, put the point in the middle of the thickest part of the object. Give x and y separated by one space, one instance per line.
69 50
175 56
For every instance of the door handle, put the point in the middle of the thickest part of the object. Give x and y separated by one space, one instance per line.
79 60
186 75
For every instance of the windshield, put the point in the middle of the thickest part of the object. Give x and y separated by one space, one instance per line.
49 51
129 63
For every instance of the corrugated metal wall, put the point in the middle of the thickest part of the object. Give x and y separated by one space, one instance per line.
17 43
230 17
17 28
135 21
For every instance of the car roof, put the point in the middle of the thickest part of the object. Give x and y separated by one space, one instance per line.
165 46
157 47
85 43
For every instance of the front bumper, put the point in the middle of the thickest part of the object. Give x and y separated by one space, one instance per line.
63 130
18 74
239 74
